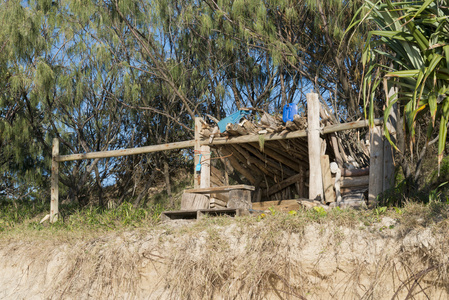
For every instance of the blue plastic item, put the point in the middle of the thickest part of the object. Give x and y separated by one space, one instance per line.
198 166
290 110
234 118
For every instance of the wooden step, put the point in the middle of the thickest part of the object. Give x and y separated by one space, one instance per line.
221 189
199 213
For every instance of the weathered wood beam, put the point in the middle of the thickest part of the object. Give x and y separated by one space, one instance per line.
239 167
285 183
314 143
288 161
346 182
221 189
376 165
126 152
328 185
255 163
216 141
270 162
290 135
278 205
354 172
54 194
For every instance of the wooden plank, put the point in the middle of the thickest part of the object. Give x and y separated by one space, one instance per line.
308 204
337 180
334 143
236 129
200 213
346 182
54 204
216 141
290 135
376 165
126 152
179 215
268 120
281 205
217 206
314 142
216 176
354 189
239 199
232 212
254 163
218 202
194 201
328 186
288 161
220 196
221 189
239 167
354 172
269 161
285 183
301 183
301 122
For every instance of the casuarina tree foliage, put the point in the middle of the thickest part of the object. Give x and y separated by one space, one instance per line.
113 74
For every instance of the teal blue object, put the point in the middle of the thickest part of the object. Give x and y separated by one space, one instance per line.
198 166
234 118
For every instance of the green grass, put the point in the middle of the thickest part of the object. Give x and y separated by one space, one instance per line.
26 216
23 217
16 213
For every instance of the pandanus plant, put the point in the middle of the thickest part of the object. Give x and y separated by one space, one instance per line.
414 36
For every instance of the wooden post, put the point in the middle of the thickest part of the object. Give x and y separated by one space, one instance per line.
376 165
314 142
205 167
196 152
54 204
328 186
388 164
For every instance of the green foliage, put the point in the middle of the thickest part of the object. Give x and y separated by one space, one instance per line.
101 75
16 213
27 214
435 194
414 37
124 216
320 211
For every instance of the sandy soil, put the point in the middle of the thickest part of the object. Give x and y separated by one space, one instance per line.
231 260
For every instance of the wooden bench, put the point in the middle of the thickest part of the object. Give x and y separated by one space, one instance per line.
238 196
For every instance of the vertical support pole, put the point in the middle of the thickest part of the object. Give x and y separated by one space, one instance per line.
376 165
196 152
314 143
205 167
328 186
388 167
54 204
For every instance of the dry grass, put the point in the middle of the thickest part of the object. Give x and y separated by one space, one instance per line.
341 254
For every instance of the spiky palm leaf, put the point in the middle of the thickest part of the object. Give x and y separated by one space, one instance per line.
414 35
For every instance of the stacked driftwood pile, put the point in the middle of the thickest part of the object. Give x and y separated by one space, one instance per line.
279 168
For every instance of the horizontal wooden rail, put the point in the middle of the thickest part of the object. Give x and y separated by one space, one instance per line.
216 141
126 152
290 135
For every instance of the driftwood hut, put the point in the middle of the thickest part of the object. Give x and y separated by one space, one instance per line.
310 160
